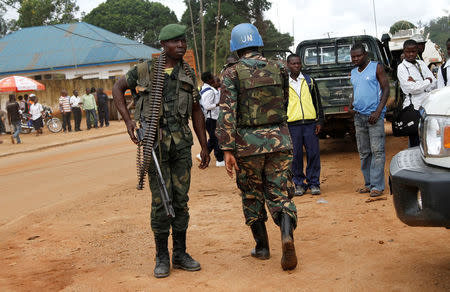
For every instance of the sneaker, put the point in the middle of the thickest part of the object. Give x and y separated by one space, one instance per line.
299 190
220 163
198 157
315 190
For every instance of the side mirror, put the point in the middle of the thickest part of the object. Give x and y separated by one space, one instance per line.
385 38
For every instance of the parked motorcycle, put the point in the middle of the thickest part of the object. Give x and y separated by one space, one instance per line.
26 124
54 125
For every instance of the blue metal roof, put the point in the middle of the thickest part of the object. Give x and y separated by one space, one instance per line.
52 47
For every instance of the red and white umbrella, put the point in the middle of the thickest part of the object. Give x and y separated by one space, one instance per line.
19 84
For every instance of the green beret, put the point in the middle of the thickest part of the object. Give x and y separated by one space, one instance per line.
172 31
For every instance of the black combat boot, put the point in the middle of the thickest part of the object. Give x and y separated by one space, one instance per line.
180 258
261 250
162 267
289 258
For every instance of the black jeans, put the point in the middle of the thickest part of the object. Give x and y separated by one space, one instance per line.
77 117
66 121
103 114
213 143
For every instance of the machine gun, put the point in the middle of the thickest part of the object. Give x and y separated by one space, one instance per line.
167 202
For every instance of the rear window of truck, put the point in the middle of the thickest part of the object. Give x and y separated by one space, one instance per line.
327 54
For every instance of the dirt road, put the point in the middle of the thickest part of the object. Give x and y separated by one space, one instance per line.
71 220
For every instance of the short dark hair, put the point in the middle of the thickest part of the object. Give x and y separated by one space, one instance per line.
359 46
409 43
207 76
292 56
448 41
92 89
20 97
12 97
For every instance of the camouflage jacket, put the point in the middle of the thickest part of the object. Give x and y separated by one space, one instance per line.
246 141
172 126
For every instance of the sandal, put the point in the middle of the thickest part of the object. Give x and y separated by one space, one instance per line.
363 190
375 193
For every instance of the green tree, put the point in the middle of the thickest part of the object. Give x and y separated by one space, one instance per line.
439 31
232 12
42 12
140 20
3 23
400 25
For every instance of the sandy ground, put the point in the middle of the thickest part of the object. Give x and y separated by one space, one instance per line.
72 220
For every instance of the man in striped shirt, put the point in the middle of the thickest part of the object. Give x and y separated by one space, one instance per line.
64 105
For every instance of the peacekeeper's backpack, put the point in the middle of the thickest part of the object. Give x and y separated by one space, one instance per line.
261 96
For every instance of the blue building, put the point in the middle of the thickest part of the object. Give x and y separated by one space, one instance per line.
68 51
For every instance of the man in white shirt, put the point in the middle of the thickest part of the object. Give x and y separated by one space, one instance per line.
36 111
75 102
210 99
444 70
416 81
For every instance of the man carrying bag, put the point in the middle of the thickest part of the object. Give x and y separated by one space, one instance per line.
416 81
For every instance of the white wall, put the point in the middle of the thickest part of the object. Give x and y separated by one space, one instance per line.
100 72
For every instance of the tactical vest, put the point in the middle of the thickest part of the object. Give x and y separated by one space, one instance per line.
261 97
178 105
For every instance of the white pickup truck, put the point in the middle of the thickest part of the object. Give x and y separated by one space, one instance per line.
420 177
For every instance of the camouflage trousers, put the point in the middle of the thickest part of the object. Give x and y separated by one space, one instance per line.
176 170
266 179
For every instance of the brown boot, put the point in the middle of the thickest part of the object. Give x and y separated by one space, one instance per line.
289 258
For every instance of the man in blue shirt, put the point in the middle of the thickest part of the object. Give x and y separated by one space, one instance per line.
370 93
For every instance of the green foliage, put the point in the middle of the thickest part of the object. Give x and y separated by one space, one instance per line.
140 20
400 25
3 23
232 12
439 31
42 12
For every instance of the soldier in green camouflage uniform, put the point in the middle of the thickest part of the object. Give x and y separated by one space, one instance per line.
254 136
180 100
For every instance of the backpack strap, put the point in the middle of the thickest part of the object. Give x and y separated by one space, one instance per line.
309 82
205 90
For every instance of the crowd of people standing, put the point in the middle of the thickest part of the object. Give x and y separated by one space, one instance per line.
94 103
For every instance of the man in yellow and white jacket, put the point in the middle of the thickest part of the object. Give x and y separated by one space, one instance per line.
305 120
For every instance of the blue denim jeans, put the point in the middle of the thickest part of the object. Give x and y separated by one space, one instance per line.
91 114
371 140
17 127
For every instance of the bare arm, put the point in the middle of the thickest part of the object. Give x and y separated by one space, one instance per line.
198 121
118 91
384 84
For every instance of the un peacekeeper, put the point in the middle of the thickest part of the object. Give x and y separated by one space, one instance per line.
180 100
254 136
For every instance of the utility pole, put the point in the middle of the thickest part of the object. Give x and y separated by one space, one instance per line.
202 26
375 18
215 40
195 42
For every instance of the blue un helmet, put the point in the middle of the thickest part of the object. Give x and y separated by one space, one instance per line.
245 35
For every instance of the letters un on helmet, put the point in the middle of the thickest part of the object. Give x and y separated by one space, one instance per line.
245 35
